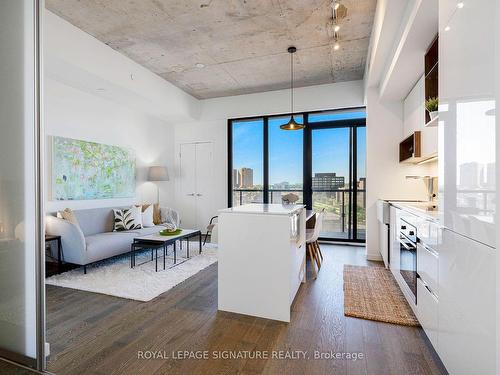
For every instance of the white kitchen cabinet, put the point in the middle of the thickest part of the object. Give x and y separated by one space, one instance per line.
466 334
467 193
260 270
428 267
413 107
393 240
427 312
414 120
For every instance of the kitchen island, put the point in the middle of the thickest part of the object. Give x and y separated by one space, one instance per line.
261 259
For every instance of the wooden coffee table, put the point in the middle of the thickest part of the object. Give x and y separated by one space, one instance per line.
157 241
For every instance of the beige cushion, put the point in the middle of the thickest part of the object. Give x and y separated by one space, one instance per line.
68 215
156 214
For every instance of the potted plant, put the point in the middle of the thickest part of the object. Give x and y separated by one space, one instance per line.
431 105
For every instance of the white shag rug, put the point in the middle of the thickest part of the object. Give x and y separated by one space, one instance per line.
141 283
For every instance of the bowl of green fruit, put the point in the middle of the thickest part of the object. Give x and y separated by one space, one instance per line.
169 232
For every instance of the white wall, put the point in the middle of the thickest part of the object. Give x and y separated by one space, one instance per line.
76 114
80 60
212 125
89 95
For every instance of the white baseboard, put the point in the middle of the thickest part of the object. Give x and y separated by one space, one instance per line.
374 257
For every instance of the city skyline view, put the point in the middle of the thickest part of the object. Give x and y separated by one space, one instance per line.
330 151
337 148
243 178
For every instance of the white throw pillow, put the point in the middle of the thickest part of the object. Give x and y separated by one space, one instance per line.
137 216
147 217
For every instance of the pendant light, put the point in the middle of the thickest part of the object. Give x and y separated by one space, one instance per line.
291 124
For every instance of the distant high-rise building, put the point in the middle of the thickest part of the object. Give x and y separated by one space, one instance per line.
490 175
236 178
246 177
281 185
469 175
327 181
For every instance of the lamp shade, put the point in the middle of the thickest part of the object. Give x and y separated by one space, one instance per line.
158 173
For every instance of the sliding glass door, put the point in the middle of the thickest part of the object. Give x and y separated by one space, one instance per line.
21 234
338 180
322 164
331 183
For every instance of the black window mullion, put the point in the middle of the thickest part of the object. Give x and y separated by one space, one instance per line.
355 182
307 163
266 161
349 211
229 163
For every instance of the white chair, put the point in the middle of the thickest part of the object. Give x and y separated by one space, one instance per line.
312 245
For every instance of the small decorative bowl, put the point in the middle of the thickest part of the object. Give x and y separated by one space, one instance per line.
166 232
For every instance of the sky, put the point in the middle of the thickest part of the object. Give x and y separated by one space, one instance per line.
330 148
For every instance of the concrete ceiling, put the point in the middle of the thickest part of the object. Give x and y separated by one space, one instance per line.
241 43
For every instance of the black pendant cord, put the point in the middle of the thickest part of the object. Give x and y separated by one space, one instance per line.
291 83
291 124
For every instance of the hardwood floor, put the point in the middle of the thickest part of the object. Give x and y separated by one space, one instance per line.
7 368
97 334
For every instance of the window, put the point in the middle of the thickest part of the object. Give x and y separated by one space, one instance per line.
323 164
285 160
248 159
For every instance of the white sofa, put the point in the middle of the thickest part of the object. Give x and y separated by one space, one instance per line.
95 239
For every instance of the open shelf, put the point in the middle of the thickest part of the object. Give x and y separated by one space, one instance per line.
431 76
432 123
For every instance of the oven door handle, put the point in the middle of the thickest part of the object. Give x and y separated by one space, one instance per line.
406 245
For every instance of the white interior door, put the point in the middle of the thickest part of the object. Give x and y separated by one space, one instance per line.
187 188
204 184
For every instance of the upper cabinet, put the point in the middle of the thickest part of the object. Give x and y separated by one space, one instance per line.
414 109
414 121
467 192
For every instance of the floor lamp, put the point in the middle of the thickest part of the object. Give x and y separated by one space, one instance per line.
156 174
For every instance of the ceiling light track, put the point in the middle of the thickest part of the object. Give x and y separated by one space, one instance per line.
339 11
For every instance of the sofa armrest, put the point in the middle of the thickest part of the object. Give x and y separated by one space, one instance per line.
72 239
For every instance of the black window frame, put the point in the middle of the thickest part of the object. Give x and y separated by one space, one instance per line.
309 127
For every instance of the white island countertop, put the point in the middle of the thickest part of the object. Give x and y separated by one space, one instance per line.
264 209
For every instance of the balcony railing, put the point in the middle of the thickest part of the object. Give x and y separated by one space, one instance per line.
335 202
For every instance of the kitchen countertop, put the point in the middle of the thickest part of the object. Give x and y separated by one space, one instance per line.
264 209
422 209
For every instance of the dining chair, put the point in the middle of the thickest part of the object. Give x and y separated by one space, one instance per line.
312 246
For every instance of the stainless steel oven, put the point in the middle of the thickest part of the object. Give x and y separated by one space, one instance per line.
408 255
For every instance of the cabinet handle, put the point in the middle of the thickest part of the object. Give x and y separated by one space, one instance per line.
407 247
430 250
191 195
199 195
